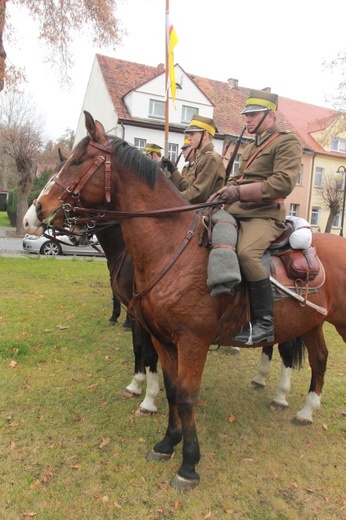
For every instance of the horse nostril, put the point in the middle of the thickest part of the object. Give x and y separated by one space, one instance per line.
38 208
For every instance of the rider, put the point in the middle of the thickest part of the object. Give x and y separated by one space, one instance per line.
208 172
268 172
153 151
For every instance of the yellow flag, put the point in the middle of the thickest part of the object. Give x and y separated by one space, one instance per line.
172 41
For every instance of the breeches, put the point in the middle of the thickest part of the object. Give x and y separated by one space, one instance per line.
255 236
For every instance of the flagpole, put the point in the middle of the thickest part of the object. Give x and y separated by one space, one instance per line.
165 150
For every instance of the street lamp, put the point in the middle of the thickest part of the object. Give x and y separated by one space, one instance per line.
340 176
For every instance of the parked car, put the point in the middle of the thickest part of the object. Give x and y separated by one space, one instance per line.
48 246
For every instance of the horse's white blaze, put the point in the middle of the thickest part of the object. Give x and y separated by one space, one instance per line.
284 386
152 392
263 370
31 223
312 403
135 387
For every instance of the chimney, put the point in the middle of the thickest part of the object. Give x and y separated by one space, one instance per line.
160 67
232 83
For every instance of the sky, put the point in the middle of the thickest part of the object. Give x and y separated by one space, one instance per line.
261 44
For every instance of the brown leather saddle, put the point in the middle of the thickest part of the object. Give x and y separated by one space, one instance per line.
297 268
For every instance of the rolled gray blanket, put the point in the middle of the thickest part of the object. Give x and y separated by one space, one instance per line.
223 266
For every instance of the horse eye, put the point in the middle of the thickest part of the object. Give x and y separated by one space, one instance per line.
75 162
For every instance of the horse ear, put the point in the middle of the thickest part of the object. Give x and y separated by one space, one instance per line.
90 125
101 132
62 158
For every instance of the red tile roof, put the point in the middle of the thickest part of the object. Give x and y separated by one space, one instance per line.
122 76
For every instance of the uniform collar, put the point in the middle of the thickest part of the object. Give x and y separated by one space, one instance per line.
259 139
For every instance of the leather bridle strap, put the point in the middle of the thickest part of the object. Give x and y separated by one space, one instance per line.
172 260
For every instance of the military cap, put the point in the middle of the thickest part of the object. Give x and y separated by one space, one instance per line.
199 123
260 100
186 144
151 147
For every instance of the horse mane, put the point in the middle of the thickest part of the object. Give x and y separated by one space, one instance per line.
126 156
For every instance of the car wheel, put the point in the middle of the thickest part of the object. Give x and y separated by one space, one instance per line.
51 248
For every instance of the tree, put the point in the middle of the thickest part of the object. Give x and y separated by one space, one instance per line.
21 139
332 199
338 65
59 21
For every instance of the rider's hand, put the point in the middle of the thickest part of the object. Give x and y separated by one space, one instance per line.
226 195
167 165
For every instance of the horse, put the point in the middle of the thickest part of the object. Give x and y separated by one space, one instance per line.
171 296
121 276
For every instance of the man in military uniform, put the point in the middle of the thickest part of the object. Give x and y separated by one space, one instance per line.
189 155
268 173
208 173
153 151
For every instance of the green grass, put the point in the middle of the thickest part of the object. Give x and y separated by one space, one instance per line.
62 376
4 220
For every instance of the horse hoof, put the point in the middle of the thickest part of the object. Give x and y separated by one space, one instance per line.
183 484
128 394
301 422
234 351
142 412
275 406
111 323
154 456
256 386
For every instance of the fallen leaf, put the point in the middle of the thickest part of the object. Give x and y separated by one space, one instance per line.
61 327
141 439
105 442
34 484
231 418
202 403
118 506
248 460
30 515
294 484
13 364
76 466
325 426
208 515
229 511
93 385
176 505
105 499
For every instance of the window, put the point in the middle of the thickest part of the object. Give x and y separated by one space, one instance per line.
187 113
294 210
300 176
338 145
236 164
319 174
172 152
156 109
315 216
337 220
140 144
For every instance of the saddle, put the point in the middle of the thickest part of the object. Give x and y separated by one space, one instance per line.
302 266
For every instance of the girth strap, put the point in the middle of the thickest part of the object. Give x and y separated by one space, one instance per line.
189 235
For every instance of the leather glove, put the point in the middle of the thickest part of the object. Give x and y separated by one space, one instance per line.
167 165
226 195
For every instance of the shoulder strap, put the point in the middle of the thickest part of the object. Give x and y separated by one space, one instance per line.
260 148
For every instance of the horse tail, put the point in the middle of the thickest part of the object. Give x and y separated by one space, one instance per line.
293 352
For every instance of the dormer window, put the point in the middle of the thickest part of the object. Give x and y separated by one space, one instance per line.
156 109
187 113
338 145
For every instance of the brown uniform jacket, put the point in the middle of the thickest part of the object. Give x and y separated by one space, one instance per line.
205 178
276 167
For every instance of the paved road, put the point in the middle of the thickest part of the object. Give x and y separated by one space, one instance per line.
8 244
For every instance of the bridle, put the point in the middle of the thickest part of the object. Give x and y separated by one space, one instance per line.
73 190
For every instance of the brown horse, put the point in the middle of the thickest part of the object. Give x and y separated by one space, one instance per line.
170 271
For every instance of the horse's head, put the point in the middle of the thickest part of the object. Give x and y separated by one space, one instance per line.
85 170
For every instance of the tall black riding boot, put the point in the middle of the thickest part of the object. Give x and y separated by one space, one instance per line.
262 304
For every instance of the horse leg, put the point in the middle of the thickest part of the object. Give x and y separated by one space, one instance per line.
164 449
259 381
135 387
291 353
150 360
127 325
318 355
116 311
